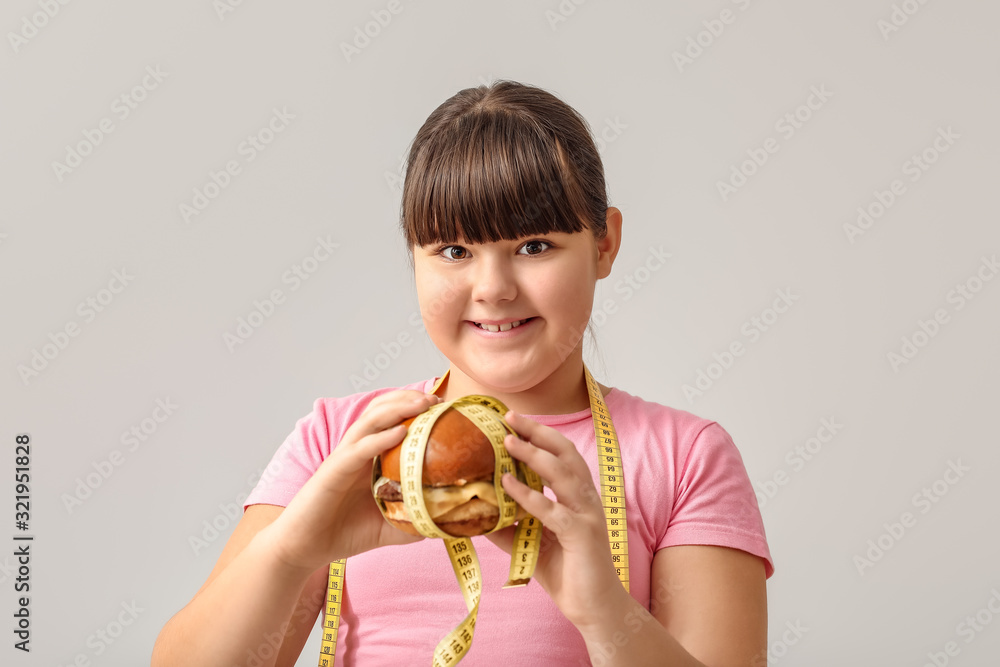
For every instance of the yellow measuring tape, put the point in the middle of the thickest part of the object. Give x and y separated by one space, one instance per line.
486 413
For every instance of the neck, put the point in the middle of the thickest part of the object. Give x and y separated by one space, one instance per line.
563 392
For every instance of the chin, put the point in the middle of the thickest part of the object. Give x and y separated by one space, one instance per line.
509 380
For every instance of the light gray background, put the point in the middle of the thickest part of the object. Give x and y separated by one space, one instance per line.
332 173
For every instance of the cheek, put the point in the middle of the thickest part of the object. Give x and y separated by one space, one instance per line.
439 299
569 301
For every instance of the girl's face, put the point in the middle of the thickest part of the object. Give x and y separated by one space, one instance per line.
464 289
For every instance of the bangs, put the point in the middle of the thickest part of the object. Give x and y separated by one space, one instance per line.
487 176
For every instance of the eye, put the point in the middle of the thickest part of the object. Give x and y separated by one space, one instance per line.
536 243
446 251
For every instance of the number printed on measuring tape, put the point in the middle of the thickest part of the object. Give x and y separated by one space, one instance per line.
612 486
461 552
331 613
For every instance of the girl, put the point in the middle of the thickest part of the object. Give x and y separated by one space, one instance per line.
506 217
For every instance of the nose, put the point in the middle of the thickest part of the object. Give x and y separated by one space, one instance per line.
494 279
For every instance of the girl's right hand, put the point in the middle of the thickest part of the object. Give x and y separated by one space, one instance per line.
334 514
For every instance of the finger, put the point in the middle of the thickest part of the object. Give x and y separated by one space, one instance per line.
572 481
540 435
348 459
399 394
542 461
533 502
389 412
403 404
503 538
567 465
363 441
389 534
374 444
549 439
564 523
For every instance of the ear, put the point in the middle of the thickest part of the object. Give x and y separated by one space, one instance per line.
607 248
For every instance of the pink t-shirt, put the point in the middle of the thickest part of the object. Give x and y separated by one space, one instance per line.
685 483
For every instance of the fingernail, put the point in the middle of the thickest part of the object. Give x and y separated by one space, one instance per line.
510 413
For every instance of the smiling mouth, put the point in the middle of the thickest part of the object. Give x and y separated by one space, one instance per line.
496 328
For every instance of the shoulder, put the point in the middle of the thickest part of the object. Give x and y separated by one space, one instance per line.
310 443
344 410
670 434
317 432
635 412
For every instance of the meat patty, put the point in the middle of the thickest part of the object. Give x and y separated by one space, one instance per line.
390 491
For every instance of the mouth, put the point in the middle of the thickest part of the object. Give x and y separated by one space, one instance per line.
506 326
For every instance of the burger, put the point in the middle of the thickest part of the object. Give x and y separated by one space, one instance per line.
457 478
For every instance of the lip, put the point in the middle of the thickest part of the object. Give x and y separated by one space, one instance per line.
498 322
501 334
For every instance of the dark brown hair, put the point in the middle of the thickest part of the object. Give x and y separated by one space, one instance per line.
501 162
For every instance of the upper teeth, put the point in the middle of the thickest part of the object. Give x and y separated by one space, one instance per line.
501 327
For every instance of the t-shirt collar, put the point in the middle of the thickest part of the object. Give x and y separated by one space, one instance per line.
551 420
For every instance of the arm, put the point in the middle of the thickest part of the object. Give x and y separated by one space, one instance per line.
275 563
278 604
709 608
709 603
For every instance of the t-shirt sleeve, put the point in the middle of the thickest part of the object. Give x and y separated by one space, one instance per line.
714 500
295 461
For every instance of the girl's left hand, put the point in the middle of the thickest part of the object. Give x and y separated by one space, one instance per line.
574 564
